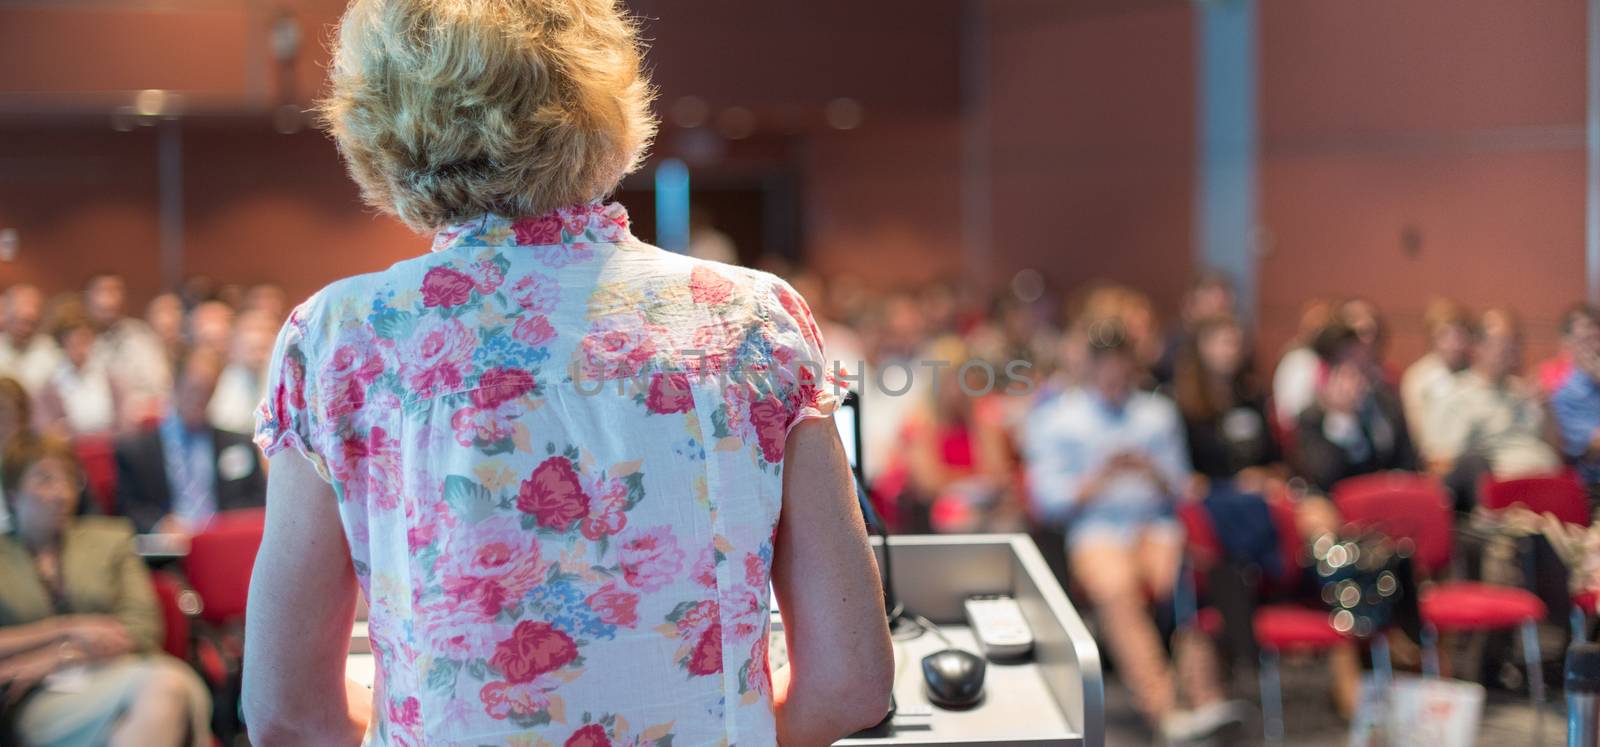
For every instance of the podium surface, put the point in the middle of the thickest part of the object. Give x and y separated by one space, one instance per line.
1053 697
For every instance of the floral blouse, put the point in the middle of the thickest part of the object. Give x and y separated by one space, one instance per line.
557 453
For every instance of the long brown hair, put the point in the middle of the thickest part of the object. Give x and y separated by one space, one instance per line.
1197 399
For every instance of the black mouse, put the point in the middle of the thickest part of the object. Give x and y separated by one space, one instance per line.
954 678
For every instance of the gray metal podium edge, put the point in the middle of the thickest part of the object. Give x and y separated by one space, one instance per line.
1090 676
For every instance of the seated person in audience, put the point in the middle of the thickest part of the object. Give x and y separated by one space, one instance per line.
1224 408
1356 426
80 398
211 327
958 469
1491 420
1107 462
1576 407
1294 381
165 315
174 478
1210 296
1577 324
138 361
243 382
1425 383
16 421
1372 332
26 353
79 622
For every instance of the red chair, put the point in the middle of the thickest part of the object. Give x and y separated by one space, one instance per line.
220 561
98 455
1559 495
169 594
1278 628
1415 508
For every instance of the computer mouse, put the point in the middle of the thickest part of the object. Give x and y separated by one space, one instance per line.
954 678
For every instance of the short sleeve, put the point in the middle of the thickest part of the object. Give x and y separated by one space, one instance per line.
814 386
283 418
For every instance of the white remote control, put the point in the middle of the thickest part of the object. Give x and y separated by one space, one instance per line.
998 625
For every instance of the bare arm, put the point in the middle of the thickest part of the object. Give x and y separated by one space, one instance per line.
841 661
302 605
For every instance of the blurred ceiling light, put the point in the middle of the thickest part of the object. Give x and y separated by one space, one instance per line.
1027 285
690 111
736 123
843 113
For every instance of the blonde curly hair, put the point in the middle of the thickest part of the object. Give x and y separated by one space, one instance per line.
445 110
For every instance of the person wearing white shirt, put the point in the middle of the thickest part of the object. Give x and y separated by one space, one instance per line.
243 383
26 354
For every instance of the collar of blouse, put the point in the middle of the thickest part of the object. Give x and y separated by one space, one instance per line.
596 222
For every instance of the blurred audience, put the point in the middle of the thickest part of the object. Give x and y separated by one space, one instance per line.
1576 405
138 364
1294 381
1224 406
1106 463
80 398
1491 421
244 381
1355 425
165 315
1427 381
76 597
175 478
27 353
1577 324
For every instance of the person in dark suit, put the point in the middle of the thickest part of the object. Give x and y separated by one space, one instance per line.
175 477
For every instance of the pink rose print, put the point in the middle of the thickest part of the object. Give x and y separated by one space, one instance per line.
593 735
708 287
498 566
614 606
545 229
370 467
705 569
487 276
759 678
606 516
553 495
460 639
771 421
745 611
534 648
533 331
439 358
502 700
475 427
650 559
498 386
618 346
443 287
755 571
669 393
576 222
293 385
348 374
707 656
408 713
536 293
796 307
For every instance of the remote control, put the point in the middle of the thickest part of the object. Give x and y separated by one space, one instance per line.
998 625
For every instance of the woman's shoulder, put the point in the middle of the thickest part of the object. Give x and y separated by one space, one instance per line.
105 531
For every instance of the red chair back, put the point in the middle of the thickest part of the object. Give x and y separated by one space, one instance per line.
1403 505
175 640
98 456
1559 495
220 561
1202 543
